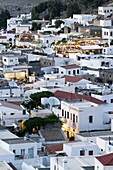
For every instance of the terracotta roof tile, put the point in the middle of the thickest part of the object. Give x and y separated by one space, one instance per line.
12 166
106 160
72 96
70 66
3 37
72 79
53 148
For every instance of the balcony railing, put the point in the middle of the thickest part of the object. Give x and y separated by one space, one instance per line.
18 157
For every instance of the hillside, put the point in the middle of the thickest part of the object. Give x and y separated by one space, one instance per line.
25 6
16 7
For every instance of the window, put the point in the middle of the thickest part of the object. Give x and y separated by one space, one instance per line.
11 60
90 119
110 33
24 112
73 118
22 151
82 152
62 112
69 72
14 151
11 113
74 72
61 72
5 60
67 115
111 100
104 33
105 101
77 71
97 167
31 153
91 152
76 119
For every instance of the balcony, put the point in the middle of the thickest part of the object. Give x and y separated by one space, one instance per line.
18 157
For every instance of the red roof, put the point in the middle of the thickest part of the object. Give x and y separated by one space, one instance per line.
106 160
3 37
12 166
72 79
72 96
53 148
11 32
70 66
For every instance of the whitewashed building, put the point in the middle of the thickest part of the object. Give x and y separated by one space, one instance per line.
105 10
12 113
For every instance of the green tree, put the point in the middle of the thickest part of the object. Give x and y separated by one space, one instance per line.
34 12
73 8
38 9
58 23
36 99
4 15
34 26
40 122
54 8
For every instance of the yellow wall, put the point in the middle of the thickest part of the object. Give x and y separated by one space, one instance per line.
17 75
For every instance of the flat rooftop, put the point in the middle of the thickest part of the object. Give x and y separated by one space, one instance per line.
107 138
94 134
90 47
82 104
79 144
18 141
77 162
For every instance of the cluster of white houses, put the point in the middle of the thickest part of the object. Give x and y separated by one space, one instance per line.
77 67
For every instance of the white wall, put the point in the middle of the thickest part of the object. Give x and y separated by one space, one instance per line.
5 113
106 11
10 60
73 149
97 111
105 23
108 50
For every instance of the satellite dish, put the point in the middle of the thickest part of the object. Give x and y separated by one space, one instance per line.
53 101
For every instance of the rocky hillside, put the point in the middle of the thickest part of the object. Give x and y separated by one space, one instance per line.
25 6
